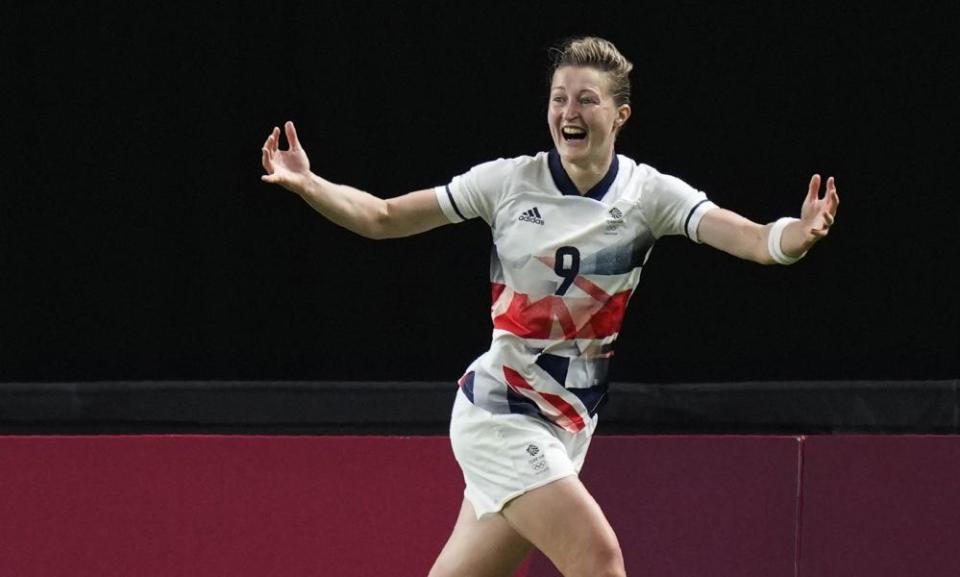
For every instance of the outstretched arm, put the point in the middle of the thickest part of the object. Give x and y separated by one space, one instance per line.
743 238
351 208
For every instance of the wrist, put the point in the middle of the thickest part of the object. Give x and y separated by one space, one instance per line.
306 184
775 243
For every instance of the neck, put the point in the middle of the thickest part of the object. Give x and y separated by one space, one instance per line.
586 174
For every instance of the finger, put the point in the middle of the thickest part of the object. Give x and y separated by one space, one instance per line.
828 219
265 159
819 233
833 199
813 192
292 136
269 144
275 136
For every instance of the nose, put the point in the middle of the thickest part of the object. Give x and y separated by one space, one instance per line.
571 110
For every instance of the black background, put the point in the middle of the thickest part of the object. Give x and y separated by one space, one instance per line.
137 242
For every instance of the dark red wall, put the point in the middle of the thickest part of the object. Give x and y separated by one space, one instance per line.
167 506
686 506
359 506
881 506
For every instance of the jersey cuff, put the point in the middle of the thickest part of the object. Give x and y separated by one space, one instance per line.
447 205
692 223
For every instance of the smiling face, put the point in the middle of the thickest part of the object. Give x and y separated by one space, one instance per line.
583 116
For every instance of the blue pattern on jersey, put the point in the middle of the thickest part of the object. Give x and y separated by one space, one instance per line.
555 366
467 385
592 398
520 404
620 258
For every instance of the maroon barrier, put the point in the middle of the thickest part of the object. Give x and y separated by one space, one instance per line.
881 506
682 506
359 506
239 506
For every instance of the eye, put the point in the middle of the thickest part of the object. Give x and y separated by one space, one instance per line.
559 99
588 100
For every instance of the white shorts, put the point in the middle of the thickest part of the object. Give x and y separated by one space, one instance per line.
504 456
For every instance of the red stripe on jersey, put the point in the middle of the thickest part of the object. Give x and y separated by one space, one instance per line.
609 318
588 319
559 411
534 320
496 289
591 289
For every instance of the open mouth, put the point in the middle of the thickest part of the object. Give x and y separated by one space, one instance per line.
573 133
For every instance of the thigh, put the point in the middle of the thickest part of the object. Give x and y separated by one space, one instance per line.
480 548
565 523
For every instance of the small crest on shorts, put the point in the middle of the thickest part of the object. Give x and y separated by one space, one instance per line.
537 460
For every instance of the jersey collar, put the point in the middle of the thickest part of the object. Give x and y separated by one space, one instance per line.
565 184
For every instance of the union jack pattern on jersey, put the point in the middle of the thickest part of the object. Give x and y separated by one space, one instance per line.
563 268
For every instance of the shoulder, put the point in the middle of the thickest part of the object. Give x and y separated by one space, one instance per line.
650 182
508 166
668 204
634 171
638 180
503 171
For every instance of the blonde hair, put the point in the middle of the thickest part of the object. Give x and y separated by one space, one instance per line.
594 52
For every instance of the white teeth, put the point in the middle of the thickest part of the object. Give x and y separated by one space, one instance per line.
574 132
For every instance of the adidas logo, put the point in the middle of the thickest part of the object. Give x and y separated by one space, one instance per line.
532 215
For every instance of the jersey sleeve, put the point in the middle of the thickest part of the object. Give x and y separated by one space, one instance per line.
671 206
475 193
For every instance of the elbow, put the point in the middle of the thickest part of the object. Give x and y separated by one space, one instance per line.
383 227
377 225
371 235
373 232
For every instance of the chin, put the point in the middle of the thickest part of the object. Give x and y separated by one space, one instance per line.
569 153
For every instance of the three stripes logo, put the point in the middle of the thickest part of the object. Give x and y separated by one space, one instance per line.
532 215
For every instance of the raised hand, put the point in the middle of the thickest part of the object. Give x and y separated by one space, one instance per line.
288 168
817 214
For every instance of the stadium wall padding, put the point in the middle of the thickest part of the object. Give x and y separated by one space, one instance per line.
423 407
162 505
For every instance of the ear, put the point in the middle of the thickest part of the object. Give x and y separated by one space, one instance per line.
623 113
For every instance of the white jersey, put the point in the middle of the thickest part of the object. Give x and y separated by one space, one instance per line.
563 269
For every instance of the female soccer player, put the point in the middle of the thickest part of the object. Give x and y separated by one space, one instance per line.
572 229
